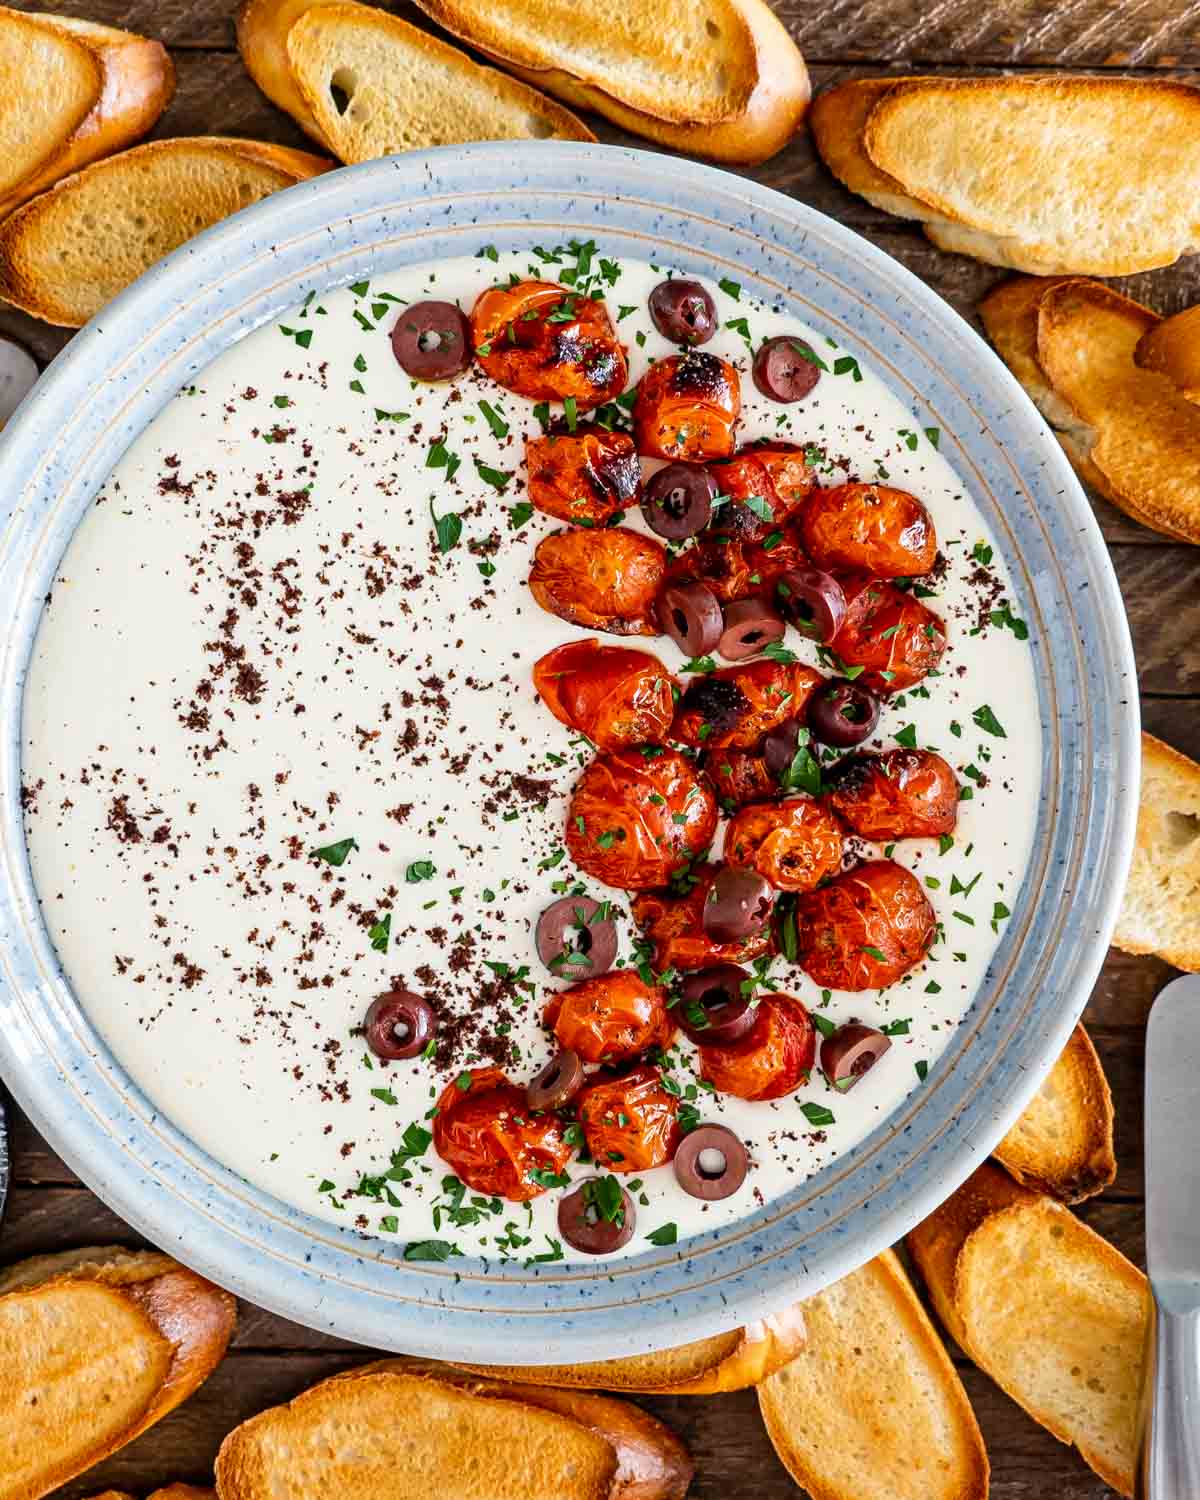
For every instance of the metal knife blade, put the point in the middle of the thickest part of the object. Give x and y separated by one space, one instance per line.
1173 1145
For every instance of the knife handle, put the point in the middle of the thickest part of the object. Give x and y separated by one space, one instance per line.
1169 1458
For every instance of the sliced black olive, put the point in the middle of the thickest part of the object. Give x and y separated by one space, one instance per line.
399 1025
432 341
677 501
785 369
683 312
597 1217
813 602
691 616
750 627
576 938
738 905
850 1052
713 1007
711 1163
779 747
842 713
558 1082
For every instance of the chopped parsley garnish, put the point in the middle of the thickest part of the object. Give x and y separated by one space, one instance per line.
816 1114
498 478
945 843
988 722
334 854
699 664
487 252
389 1223
303 336
934 434
907 736
665 1234
847 365
873 953
895 1028
760 507
447 529
392 416
603 1194
731 288
1004 617
494 420
804 773
420 869
982 554
544 1177
823 1024
518 514
385 1096
571 412
381 934
922 1068
440 457
438 1250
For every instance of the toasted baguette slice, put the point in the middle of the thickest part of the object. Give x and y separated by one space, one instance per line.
1172 347
1161 910
1063 1143
49 83
376 85
262 30
392 1436
1128 431
725 1362
837 120
872 1408
136 82
67 253
1093 175
94 1349
172 1492
1047 1308
715 78
652 1464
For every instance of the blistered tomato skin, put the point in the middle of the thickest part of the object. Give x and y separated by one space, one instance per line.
773 1058
602 580
889 633
790 474
630 1122
794 844
585 477
486 1134
765 485
611 1019
635 819
737 706
720 566
869 528
543 341
675 925
901 794
740 777
866 929
615 695
687 407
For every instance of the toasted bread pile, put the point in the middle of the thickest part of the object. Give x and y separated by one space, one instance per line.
1094 176
1161 910
720 79
97 90
1128 428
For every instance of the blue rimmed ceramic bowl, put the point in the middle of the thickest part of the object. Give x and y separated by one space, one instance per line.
114 379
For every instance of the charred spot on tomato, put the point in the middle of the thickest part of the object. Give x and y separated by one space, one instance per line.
851 775
718 701
616 475
698 374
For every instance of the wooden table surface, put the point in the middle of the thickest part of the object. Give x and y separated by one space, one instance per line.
271 1360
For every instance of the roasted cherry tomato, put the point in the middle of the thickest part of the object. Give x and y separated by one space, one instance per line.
870 528
773 1058
611 1019
630 1122
687 407
902 794
756 507
584 477
740 777
615 695
603 580
737 706
488 1136
636 818
675 925
889 633
866 929
794 844
720 565
789 472
548 343
769 559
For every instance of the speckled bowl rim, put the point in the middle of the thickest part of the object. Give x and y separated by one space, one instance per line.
119 372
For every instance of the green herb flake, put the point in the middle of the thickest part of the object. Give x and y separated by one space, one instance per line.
334 854
817 1114
420 869
988 722
447 529
436 1250
731 288
907 736
380 934
665 1234
385 1096
494 420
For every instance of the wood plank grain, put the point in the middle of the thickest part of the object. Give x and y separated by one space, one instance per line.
1068 33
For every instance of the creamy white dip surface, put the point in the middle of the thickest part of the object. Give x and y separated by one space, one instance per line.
254 648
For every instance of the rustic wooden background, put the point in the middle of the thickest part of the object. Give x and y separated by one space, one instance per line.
49 1209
